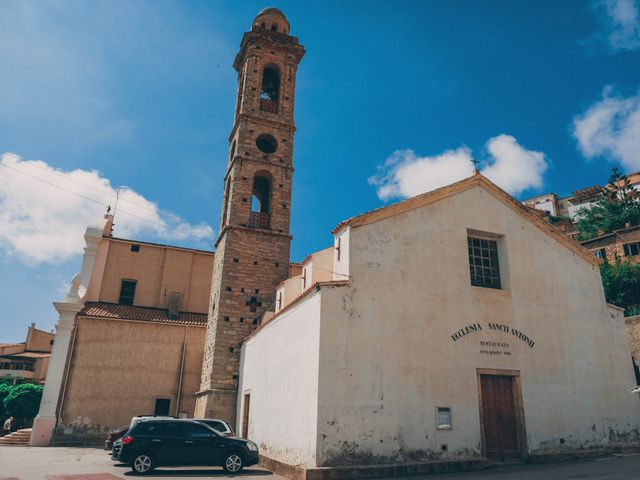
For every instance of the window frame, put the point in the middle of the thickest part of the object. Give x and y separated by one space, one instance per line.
630 247
155 406
483 253
442 426
129 281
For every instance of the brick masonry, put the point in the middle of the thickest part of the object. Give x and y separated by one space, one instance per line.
632 324
250 261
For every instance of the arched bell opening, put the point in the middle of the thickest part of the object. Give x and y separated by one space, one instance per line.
270 90
261 201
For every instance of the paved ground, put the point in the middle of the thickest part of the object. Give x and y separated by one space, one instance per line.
620 467
62 463
30 463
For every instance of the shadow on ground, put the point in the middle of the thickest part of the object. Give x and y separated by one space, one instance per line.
218 472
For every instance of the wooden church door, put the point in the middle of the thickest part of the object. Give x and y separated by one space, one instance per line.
499 417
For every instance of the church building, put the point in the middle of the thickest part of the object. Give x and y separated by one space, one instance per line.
453 325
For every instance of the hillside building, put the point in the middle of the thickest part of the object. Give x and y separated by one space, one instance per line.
27 360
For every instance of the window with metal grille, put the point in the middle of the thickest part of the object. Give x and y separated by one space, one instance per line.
483 262
127 292
631 249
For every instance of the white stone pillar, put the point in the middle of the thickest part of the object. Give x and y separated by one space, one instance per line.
92 237
46 420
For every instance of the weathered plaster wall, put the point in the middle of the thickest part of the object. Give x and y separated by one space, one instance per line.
280 371
38 340
387 356
341 262
322 266
288 291
40 369
118 369
158 272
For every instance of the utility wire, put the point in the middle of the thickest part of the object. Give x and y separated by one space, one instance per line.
80 195
111 194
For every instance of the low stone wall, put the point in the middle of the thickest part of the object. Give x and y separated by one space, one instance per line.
298 472
79 436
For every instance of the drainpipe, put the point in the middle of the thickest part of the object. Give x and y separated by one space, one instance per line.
184 351
67 372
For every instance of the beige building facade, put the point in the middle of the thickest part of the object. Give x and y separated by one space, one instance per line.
130 338
127 361
623 244
27 360
456 325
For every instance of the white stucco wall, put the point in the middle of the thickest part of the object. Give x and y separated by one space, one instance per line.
387 356
341 265
288 291
279 368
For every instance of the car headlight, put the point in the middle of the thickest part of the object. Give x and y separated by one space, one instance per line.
252 446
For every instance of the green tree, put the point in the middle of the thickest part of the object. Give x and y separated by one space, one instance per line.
5 389
23 400
618 207
621 281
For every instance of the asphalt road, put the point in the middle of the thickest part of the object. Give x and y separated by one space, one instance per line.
32 463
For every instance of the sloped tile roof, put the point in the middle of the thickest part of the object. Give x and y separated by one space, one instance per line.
145 314
460 186
31 354
175 247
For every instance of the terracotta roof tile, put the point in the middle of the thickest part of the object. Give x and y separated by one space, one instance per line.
145 314
175 247
32 354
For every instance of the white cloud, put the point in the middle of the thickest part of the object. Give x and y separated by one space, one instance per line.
611 128
40 222
622 20
512 167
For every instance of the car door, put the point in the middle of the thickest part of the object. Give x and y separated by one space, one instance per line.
202 445
170 445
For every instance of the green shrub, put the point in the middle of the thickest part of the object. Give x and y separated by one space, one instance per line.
23 401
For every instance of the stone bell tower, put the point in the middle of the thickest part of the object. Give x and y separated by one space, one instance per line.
252 250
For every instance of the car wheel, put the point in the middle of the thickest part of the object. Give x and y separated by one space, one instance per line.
142 463
233 463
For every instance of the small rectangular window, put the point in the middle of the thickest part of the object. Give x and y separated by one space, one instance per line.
601 254
135 248
443 418
127 292
162 406
631 249
483 262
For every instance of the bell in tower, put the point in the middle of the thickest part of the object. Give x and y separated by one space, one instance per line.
252 249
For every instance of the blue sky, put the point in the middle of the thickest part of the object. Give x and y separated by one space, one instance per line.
393 98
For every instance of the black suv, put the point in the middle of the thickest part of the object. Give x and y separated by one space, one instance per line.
175 442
